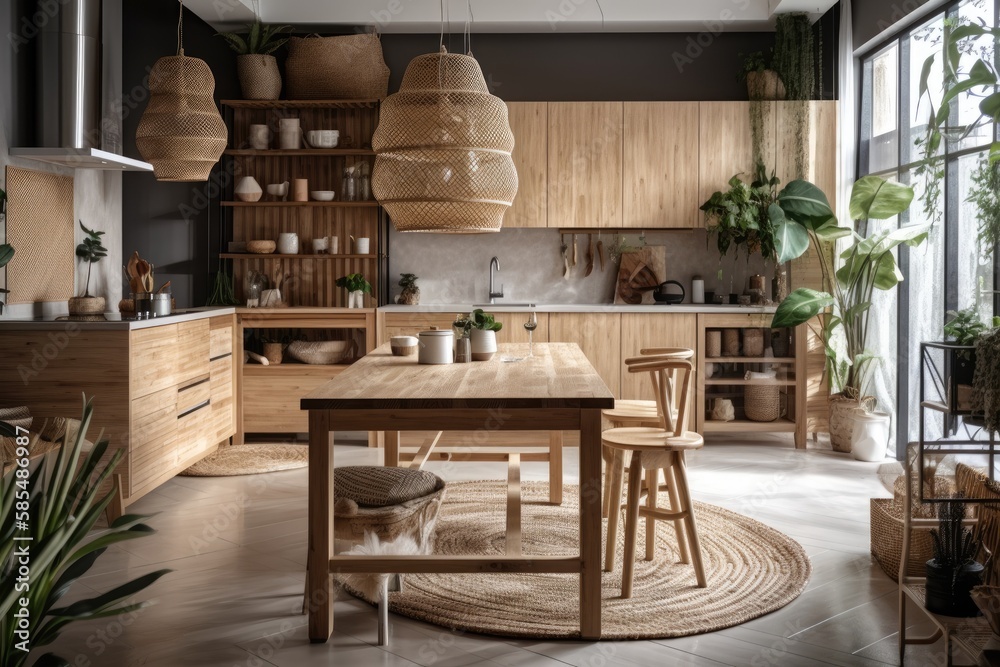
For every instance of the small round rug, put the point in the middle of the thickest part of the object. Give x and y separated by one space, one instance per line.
752 570
250 460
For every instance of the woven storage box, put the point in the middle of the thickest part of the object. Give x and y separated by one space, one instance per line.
345 67
730 342
753 342
762 403
887 541
713 344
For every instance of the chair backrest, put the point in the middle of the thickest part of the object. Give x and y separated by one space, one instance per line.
649 354
671 378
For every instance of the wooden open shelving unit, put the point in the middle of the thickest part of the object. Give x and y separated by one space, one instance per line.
791 379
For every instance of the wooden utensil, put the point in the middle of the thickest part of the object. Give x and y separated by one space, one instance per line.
163 287
562 250
590 256
573 261
600 251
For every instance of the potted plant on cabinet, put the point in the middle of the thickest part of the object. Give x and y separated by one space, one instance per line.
802 217
410 296
763 83
257 69
954 571
481 328
356 287
90 251
964 329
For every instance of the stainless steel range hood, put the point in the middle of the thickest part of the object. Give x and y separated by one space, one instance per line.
69 92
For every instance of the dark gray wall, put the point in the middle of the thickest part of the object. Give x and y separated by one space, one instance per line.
17 72
870 18
170 222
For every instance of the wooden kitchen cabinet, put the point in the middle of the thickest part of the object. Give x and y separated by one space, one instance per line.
598 335
529 123
162 393
645 330
584 164
660 150
726 145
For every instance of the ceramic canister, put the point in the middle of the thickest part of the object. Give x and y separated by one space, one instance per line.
260 137
436 346
248 189
300 189
288 243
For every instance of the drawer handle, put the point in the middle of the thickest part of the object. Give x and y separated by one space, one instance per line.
199 381
221 356
203 404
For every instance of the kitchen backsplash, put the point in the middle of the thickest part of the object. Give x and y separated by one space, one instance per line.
455 268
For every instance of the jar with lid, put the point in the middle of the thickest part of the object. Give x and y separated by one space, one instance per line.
364 183
350 186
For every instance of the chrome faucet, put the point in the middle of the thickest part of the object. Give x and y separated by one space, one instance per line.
495 264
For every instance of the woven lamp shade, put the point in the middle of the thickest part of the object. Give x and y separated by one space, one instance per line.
181 132
443 148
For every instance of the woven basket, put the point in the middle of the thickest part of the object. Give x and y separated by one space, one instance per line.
181 132
887 541
443 145
762 403
841 424
753 342
260 78
346 67
713 344
320 352
730 342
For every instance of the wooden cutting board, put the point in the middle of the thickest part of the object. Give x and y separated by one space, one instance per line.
639 272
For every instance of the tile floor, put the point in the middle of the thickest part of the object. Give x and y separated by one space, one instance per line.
237 548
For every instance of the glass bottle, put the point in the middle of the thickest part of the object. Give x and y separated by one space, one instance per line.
350 185
364 183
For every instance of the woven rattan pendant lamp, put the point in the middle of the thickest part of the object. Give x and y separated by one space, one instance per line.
181 132
443 148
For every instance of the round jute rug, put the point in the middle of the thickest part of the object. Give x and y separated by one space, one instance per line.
751 569
250 460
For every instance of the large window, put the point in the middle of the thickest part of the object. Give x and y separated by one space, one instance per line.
950 270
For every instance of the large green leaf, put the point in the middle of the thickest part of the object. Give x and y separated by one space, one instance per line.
805 203
831 231
6 253
990 106
879 199
791 239
799 307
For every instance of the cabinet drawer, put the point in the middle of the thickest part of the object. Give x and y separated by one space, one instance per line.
195 434
193 394
223 405
192 350
221 337
154 428
153 356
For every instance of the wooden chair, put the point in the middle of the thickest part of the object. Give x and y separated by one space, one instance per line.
633 413
656 448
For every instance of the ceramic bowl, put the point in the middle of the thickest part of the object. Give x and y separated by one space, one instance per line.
323 138
322 195
261 247
403 346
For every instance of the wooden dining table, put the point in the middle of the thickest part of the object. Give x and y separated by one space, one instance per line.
556 389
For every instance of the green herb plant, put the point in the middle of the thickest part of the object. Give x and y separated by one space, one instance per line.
91 251
738 218
354 282
59 499
259 38
477 319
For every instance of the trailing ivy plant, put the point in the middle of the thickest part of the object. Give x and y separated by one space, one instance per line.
738 218
795 62
985 196
802 217
986 381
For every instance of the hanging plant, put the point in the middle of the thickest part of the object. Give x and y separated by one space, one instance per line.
796 64
986 381
985 196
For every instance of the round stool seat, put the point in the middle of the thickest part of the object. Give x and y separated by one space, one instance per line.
641 438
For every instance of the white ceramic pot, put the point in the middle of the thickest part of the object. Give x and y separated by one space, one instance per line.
248 189
870 436
361 246
288 243
436 346
484 344
322 138
278 189
356 299
260 137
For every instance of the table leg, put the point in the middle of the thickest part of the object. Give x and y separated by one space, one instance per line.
391 449
556 467
320 588
590 524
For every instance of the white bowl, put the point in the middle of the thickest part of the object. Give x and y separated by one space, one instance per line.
323 138
322 195
403 341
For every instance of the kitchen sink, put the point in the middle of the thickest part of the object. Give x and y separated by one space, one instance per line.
505 305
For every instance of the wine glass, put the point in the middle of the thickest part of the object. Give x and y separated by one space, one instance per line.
530 327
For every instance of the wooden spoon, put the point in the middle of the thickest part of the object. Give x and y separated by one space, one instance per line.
590 256
163 287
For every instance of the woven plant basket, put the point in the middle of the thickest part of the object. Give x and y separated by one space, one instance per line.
762 403
841 424
887 541
443 148
765 85
260 78
181 132
753 342
345 67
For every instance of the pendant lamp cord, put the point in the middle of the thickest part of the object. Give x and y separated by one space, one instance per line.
180 29
602 13
468 27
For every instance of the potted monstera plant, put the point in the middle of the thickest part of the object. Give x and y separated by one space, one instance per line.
802 217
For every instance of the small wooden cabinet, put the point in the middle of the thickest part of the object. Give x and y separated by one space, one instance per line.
646 330
163 393
598 335
660 151
585 164
529 123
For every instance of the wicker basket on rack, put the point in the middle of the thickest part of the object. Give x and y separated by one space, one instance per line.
342 67
887 540
762 403
730 342
713 343
753 342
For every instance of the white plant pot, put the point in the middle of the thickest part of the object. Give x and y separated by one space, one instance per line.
870 435
356 299
484 344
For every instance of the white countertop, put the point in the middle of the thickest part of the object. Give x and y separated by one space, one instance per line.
581 308
112 322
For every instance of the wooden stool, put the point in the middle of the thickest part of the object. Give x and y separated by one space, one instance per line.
656 448
628 412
